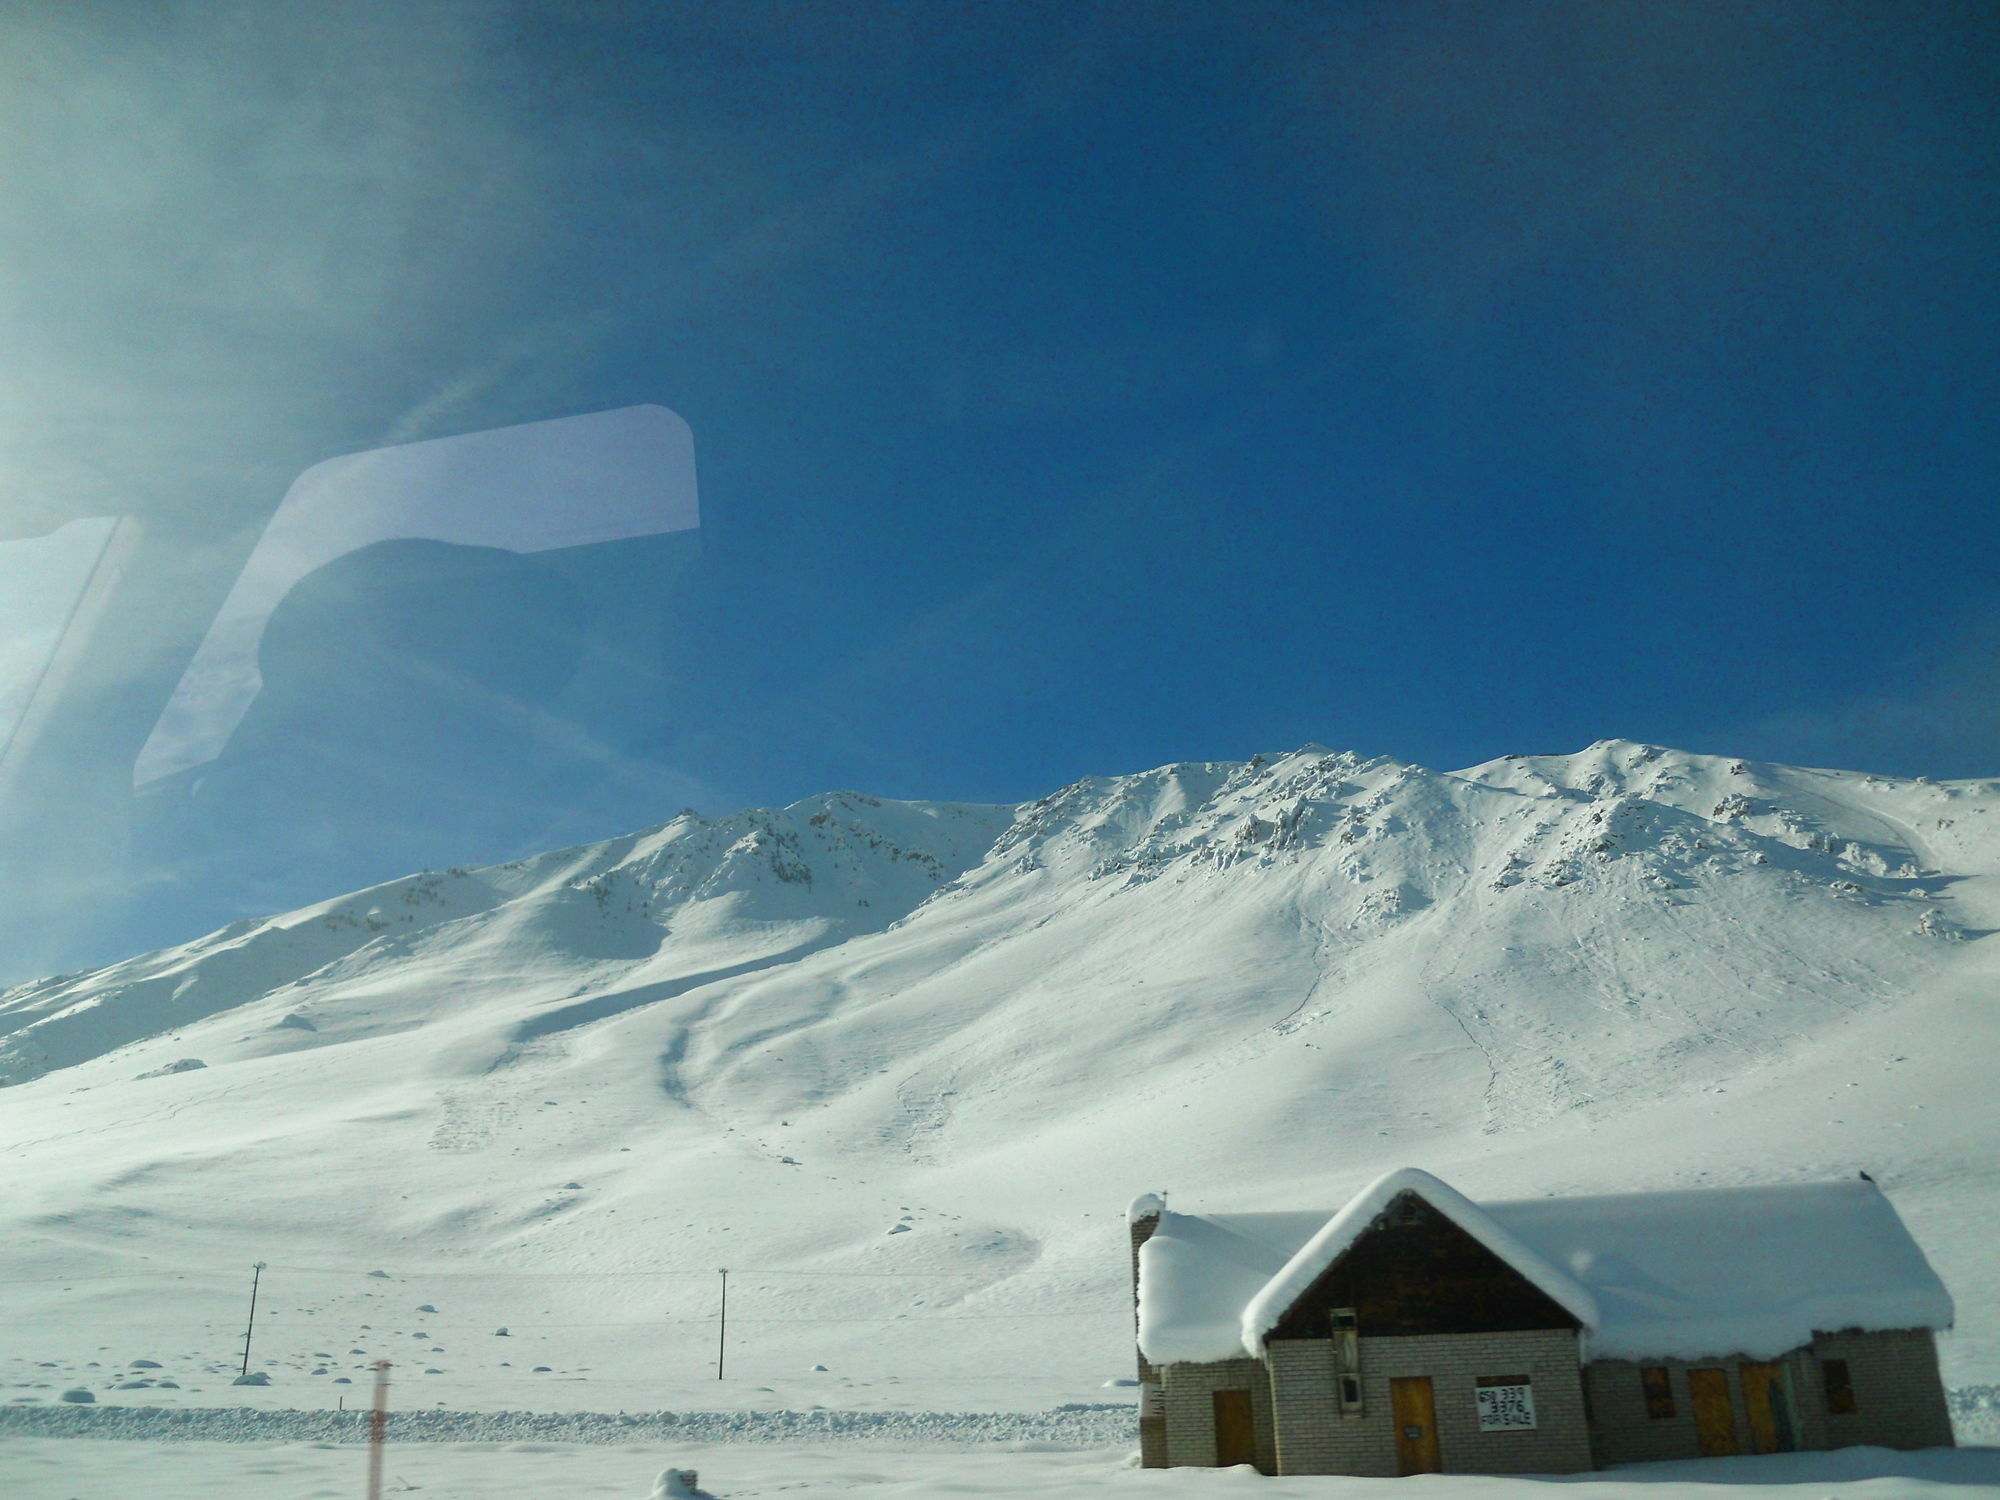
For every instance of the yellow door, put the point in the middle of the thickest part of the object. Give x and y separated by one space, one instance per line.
1714 1420
1235 1430
1415 1411
1770 1413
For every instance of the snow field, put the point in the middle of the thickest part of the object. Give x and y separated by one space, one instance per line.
917 1057
1975 1417
58 1469
1092 1426
634 1342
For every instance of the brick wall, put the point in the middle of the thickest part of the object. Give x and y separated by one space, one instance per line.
1623 1432
1898 1391
1899 1400
1190 1410
1315 1437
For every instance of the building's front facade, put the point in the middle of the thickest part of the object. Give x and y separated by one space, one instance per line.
1415 1331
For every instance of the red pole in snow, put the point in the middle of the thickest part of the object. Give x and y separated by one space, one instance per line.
378 1429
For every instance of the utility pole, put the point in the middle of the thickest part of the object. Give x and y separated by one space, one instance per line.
722 1328
256 1275
378 1429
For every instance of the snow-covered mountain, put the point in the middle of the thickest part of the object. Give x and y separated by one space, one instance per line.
927 1051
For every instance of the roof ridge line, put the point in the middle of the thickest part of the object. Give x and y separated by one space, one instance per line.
1262 1313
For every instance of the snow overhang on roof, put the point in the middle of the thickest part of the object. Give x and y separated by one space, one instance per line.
1752 1271
1292 1282
1196 1271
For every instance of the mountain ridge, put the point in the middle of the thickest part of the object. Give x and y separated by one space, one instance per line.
1257 981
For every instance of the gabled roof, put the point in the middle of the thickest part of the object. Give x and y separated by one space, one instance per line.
1682 1275
1275 1298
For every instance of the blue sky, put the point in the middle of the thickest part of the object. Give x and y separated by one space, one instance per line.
1074 387
1438 381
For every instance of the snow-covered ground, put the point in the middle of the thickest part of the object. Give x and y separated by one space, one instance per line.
538 1471
900 1066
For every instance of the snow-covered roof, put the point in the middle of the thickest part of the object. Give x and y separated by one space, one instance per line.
1752 1270
1682 1275
1199 1271
1275 1299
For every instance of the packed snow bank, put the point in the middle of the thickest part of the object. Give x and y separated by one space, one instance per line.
1975 1413
678 1484
1091 1426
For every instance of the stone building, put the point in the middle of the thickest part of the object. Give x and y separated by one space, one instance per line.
1415 1331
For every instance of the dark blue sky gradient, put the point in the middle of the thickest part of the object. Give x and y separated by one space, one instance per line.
1439 381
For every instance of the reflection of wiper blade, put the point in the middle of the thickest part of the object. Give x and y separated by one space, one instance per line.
608 476
52 589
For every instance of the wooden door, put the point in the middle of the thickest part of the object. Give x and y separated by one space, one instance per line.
1714 1419
1235 1429
1415 1411
1770 1413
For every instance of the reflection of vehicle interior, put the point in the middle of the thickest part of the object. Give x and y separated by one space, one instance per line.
458 650
425 704
53 589
530 488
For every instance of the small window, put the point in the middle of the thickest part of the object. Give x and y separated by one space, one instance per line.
1347 1359
1659 1388
1839 1386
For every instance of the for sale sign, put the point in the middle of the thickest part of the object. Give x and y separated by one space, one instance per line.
1506 1403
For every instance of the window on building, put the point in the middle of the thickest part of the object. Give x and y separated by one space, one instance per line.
1347 1358
1659 1388
1839 1386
